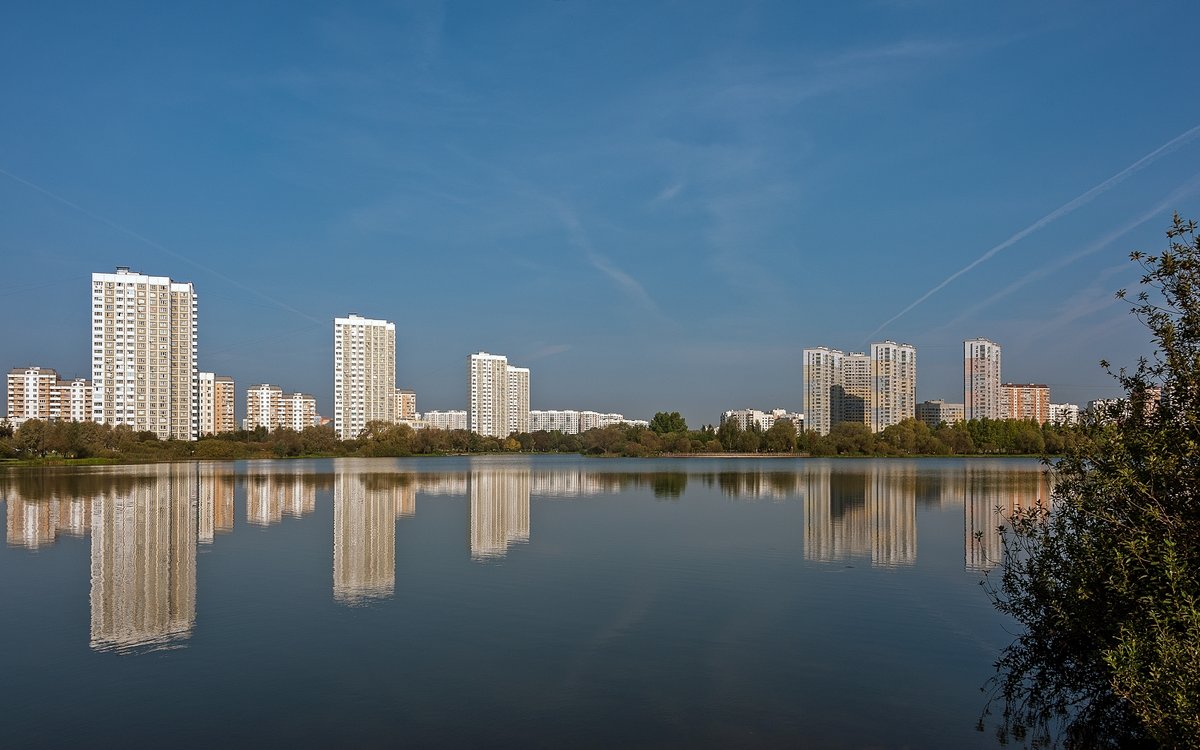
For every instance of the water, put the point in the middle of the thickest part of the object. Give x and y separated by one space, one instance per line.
550 602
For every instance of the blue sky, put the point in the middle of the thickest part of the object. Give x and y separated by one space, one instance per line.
654 206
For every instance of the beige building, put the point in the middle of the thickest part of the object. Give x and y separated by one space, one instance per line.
364 374
267 406
499 511
405 408
893 384
38 393
857 394
981 379
937 411
216 394
364 541
144 561
1025 401
822 387
497 396
144 371
877 389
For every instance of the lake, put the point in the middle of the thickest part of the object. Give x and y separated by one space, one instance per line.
504 601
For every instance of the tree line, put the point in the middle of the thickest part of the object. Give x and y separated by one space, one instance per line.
668 434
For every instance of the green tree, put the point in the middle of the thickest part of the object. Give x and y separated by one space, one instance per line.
1106 582
781 438
665 422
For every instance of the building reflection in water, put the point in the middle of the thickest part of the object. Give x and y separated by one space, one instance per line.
499 511
216 502
34 523
364 537
143 590
272 495
990 499
871 513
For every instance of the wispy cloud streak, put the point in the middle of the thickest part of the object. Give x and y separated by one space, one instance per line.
1053 216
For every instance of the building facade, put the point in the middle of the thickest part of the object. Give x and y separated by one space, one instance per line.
1064 414
893 384
216 395
937 411
364 373
822 387
406 405
877 389
518 399
497 396
981 379
763 420
144 372
445 420
1025 401
30 391
267 406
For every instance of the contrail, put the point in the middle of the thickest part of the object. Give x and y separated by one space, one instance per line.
1053 216
1171 201
160 248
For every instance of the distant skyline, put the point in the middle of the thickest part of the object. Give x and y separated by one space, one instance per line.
654 207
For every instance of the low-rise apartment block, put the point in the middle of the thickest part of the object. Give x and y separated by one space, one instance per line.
267 406
445 420
38 393
1064 414
937 411
763 420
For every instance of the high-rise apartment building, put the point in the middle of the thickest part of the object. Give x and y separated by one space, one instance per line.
216 394
877 389
893 384
364 373
1025 401
822 388
518 399
497 396
857 391
406 405
144 371
981 379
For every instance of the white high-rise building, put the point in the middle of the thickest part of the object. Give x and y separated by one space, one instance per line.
822 387
497 396
894 384
144 371
981 379
364 373
518 399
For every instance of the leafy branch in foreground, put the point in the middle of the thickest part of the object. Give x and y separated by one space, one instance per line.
1106 582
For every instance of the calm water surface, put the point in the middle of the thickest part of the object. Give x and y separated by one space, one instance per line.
497 601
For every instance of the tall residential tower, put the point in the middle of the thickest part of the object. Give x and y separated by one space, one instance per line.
364 373
981 379
144 371
497 396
